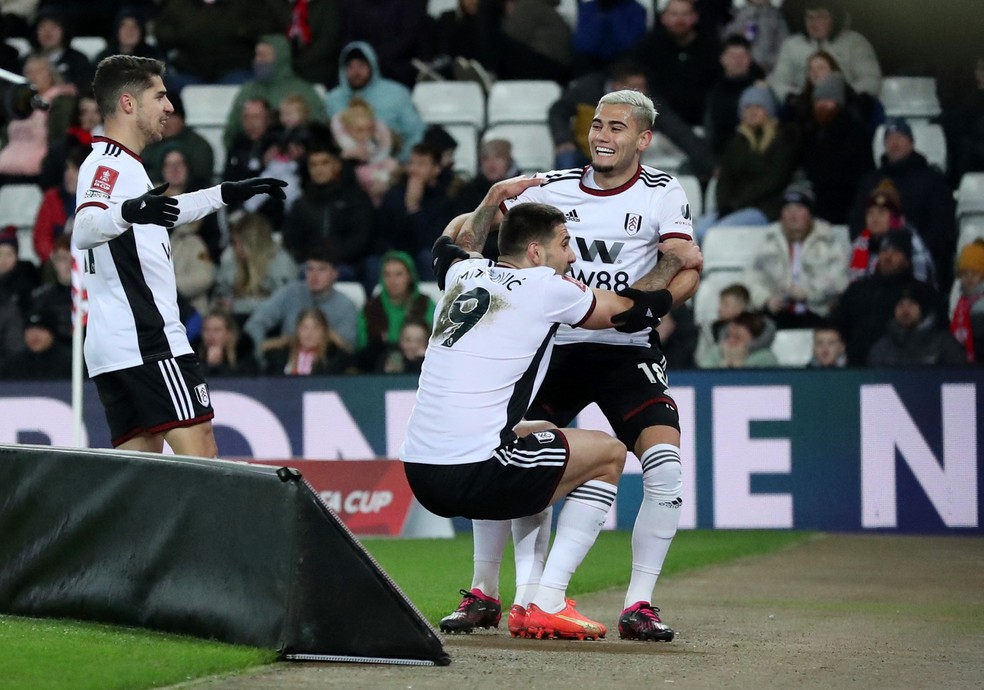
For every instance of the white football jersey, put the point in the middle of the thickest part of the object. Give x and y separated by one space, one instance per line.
127 271
487 356
614 232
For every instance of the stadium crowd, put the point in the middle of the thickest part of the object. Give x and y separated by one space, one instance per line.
776 112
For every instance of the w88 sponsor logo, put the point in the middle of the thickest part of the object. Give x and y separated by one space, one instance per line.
603 280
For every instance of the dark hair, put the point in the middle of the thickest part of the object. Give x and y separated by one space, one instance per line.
118 74
429 150
525 223
736 290
622 69
736 40
753 321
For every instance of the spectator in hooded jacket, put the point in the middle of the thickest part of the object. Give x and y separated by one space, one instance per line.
273 81
56 214
721 112
382 317
359 75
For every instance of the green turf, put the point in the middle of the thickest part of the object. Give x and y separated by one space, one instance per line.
69 655
63 655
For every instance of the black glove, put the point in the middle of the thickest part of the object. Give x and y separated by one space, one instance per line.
647 308
151 208
238 192
445 253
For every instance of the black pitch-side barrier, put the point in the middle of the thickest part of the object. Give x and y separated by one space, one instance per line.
240 553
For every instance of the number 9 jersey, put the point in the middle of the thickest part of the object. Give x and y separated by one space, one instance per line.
487 356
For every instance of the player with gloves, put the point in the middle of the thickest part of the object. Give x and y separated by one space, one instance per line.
136 348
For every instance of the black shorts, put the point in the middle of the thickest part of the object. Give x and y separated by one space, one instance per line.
518 480
154 397
629 384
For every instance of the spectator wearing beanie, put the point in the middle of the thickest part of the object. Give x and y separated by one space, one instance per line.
926 198
913 338
755 167
836 150
967 322
884 216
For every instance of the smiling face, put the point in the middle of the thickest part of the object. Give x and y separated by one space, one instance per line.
616 140
152 110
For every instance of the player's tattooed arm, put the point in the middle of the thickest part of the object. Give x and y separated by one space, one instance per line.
475 229
677 257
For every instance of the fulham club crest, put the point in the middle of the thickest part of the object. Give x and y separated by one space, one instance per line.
201 392
633 223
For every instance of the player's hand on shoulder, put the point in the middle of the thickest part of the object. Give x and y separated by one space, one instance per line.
238 192
152 208
512 187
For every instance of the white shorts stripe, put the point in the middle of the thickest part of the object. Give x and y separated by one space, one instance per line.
547 457
174 384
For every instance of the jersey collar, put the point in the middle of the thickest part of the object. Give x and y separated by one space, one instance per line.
608 192
116 143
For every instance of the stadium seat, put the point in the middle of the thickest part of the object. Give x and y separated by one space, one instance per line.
429 288
450 102
971 228
567 9
466 155
731 248
19 204
910 97
521 100
208 104
691 186
532 146
353 290
793 347
927 137
21 45
90 46
663 154
705 302
710 195
970 194
436 8
213 135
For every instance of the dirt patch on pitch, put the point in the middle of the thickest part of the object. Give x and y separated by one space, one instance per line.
840 611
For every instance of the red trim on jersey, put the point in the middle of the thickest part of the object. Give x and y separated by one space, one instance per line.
675 236
648 403
609 192
594 303
133 433
116 143
97 204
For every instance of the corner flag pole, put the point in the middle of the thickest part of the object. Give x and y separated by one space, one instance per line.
80 314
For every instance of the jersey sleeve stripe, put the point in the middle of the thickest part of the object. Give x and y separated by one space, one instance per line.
594 303
97 204
675 236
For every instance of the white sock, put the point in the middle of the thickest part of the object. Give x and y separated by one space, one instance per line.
656 524
531 536
489 538
580 522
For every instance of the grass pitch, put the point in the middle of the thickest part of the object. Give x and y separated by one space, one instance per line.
69 655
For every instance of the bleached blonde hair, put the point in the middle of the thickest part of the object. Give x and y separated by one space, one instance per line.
643 110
